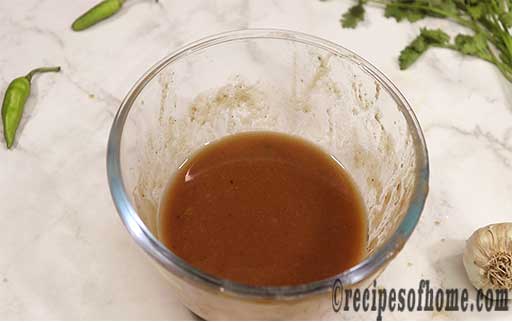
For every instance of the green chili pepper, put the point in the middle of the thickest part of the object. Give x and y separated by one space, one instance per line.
99 12
14 102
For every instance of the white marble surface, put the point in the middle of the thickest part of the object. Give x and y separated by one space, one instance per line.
64 253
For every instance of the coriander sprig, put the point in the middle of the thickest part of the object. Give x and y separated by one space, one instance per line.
488 21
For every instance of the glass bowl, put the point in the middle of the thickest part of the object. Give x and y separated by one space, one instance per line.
272 80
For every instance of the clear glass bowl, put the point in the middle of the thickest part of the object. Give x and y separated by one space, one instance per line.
272 80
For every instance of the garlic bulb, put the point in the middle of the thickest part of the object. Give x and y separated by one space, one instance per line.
488 258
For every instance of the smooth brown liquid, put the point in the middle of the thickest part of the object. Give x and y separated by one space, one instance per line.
264 209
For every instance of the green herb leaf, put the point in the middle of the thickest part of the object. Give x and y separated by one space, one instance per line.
473 45
477 10
411 53
414 10
448 7
489 20
435 36
408 56
506 19
426 39
354 15
419 44
395 10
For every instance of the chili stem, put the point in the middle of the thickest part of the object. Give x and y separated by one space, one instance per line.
41 70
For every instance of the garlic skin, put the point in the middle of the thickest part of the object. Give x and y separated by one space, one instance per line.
488 258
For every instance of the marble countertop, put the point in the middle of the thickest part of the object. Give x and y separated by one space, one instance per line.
64 253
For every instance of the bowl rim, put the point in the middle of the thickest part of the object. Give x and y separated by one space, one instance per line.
365 269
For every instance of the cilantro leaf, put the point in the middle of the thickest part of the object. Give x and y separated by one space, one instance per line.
473 45
435 36
354 15
448 7
411 53
427 38
506 19
395 10
476 10
408 56
489 20
414 10
419 44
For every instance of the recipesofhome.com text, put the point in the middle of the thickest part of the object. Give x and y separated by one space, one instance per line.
422 298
